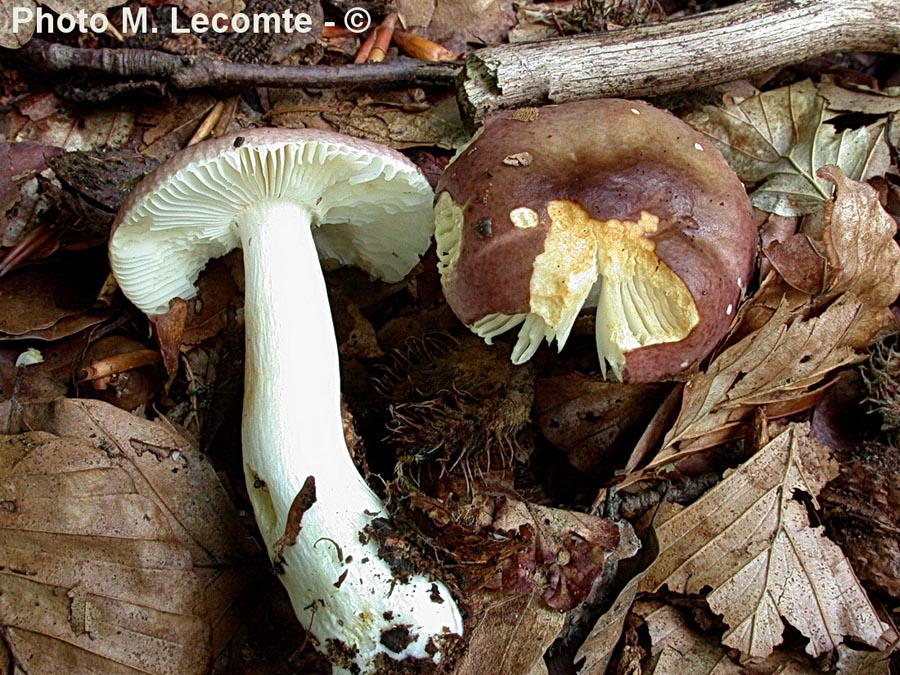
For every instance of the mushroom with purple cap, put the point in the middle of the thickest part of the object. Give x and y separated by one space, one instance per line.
279 194
611 203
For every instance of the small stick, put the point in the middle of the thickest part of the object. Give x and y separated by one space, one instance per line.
229 109
422 48
119 363
26 247
383 36
209 123
365 49
194 72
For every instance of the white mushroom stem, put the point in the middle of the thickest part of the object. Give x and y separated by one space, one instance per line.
341 590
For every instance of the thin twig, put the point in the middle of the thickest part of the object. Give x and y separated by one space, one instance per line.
193 72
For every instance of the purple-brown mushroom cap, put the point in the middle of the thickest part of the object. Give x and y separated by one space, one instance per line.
607 201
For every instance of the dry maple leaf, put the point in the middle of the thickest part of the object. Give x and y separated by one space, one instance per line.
749 540
781 138
792 341
119 547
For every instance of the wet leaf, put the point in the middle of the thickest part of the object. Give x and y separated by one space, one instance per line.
781 139
438 125
749 540
120 546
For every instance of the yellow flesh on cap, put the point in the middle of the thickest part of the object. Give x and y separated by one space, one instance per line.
642 302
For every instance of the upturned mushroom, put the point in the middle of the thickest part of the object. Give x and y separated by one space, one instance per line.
278 193
611 202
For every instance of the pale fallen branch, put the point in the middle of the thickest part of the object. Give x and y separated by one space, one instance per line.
683 54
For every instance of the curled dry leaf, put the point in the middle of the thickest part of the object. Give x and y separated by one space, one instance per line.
120 546
789 341
749 540
781 138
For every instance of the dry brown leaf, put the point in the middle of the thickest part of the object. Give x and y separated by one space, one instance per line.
858 98
680 648
119 546
602 642
438 125
50 302
781 361
789 342
781 138
859 240
456 23
855 662
46 119
800 261
14 35
592 421
510 636
749 540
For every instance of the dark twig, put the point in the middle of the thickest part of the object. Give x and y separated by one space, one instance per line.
193 72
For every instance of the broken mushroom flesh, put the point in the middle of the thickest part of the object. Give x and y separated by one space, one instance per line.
611 203
276 194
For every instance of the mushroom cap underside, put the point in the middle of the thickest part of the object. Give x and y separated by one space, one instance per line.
368 204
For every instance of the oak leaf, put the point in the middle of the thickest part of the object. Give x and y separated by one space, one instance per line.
749 539
781 138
